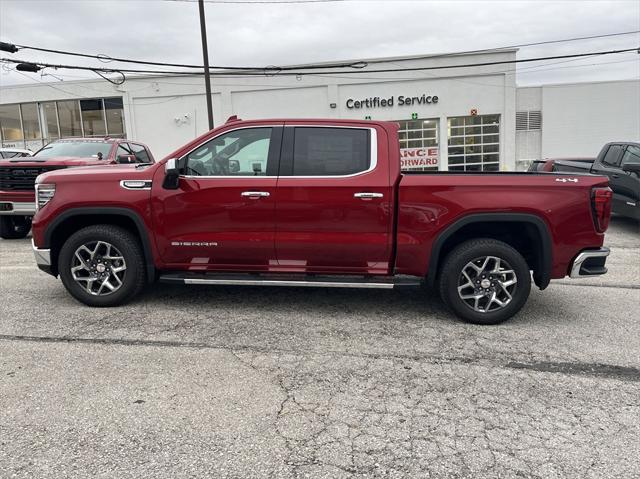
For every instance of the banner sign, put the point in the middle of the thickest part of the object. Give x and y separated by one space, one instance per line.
418 158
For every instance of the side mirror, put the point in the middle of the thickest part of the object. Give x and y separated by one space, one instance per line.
632 167
171 175
126 159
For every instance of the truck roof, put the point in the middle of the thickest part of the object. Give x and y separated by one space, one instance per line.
333 121
105 139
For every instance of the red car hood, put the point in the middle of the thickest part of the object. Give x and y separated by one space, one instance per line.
53 161
108 171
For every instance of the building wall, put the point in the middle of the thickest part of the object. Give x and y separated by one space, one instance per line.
580 118
166 112
529 141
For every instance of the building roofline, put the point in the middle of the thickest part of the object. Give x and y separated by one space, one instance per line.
586 82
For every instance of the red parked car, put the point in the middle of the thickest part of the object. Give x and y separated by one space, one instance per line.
317 203
18 174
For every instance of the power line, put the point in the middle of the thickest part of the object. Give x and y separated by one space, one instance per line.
250 73
351 64
240 2
174 97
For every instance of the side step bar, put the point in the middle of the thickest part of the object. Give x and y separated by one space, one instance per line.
318 281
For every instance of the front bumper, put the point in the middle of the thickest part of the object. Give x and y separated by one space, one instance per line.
43 258
589 262
17 208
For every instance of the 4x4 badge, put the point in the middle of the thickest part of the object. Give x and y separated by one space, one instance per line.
564 180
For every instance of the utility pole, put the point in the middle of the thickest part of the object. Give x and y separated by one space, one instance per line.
205 55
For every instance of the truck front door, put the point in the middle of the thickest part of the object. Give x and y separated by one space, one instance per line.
222 215
334 200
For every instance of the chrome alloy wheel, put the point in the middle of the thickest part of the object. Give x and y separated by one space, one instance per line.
99 268
487 284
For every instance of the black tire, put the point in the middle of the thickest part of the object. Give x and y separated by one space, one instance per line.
14 227
127 245
451 278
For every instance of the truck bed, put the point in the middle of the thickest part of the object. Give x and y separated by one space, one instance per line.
578 165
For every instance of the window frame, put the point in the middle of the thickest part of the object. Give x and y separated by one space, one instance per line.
273 155
287 159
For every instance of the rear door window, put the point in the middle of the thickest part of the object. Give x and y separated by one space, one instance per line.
612 157
331 151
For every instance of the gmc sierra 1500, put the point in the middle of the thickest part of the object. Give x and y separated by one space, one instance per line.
317 203
18 173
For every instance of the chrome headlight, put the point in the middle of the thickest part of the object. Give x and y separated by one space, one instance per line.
44 193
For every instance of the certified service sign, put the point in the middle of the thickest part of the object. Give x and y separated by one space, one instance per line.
418 158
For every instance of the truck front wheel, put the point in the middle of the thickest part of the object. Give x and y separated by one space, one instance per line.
14 227
485 281
102 265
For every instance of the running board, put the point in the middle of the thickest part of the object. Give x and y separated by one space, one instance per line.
317 281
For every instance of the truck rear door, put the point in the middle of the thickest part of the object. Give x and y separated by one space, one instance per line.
333 200
623 184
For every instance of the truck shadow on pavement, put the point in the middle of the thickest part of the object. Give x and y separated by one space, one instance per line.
625 225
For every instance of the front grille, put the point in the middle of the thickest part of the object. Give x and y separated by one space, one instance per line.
22 178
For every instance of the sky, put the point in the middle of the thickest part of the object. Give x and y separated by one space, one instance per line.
253 34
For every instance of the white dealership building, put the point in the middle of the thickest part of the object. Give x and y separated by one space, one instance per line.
464 118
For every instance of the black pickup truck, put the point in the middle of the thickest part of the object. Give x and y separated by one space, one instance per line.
620 161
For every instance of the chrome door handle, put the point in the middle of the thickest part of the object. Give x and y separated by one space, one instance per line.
367 196
255 194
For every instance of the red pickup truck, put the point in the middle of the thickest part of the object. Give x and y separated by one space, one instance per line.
317 203
18 174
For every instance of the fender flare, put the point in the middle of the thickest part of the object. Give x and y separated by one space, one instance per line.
111 211
545 248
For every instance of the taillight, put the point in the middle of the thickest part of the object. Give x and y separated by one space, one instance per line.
601 207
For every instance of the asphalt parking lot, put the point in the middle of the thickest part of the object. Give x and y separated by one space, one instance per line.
251 382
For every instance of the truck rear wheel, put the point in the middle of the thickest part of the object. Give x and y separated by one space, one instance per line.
14 227
485 281
102 265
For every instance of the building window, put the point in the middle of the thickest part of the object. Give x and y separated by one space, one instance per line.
528 120
32 125
50 116
69 117
93 121
474 143
10 124
114 113
419 144
30 121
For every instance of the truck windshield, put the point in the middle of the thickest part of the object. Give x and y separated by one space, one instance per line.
80 149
